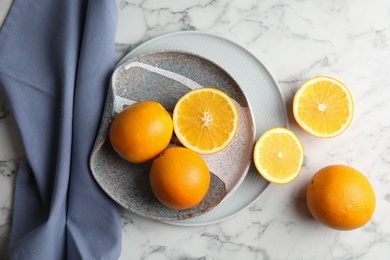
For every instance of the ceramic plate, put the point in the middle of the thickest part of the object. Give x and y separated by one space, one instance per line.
165 76
259 86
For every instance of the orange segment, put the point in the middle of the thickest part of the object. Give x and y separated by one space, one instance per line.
323 107
205 120
278 155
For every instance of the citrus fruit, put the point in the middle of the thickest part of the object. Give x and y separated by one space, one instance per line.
278 155
179 178
205 120
141 131
323 107
340 197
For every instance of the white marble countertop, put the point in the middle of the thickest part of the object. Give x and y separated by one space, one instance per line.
296 40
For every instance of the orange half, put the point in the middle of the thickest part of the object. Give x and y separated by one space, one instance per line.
205 120
323 107
278 155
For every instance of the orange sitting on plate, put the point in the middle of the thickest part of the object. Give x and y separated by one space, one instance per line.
179 178
205 120
141 131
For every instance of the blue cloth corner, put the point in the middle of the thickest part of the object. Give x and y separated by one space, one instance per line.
56 59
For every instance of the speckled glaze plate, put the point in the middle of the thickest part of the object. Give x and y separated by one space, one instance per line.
261 89
165 76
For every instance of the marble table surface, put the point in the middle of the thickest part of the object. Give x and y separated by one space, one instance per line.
296 40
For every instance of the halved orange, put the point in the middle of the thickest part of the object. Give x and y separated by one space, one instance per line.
323 107
278 155
205 120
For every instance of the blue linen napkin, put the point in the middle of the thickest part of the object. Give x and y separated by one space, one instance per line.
56 58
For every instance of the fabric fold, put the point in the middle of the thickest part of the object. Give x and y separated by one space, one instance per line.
56 58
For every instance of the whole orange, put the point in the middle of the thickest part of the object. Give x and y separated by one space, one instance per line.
179 178
340 197
141 131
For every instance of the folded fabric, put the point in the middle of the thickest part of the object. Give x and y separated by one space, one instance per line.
56 58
